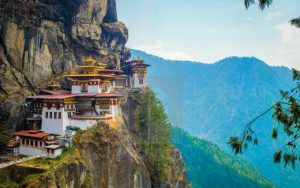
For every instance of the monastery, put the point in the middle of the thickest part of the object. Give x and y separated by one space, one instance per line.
57 114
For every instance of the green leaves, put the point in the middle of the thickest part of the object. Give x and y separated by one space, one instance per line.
296 22
262 3
255 141
277 157
296 73
235 144
274 133
290 159
248 3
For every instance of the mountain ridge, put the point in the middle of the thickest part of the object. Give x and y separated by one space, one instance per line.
216 101
205 63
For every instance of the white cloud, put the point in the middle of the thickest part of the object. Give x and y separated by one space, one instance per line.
159 48
288 34
288 50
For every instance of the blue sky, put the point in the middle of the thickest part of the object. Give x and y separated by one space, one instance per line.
208 31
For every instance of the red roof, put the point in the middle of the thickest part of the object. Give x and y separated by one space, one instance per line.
52 97
32 134
64 96
122 76
135 61
108 95
139 65
98 95
52 142
57 92
85 94
13 144
52 147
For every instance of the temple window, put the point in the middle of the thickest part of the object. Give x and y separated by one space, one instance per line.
36 143
31 142
59 115
23 141
84 87
50 115
141 81
27 142
55 115
46 115
104 104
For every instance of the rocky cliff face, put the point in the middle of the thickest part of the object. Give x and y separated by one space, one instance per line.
104 156
42 39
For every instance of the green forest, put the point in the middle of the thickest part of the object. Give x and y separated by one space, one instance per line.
208 166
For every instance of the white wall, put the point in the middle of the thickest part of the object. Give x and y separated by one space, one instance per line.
94 89
24 150
55 126
76 89
135 81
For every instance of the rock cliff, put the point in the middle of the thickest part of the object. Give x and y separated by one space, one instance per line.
42 39
104 156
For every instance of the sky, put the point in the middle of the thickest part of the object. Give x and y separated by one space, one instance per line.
208 31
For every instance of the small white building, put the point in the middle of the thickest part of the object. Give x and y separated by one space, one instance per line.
137 71
36 142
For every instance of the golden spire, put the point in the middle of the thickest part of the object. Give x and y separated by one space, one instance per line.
89 60
54 86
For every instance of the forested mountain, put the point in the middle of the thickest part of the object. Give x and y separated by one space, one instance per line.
208 166
215 101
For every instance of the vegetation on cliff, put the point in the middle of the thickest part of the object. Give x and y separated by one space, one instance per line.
154 134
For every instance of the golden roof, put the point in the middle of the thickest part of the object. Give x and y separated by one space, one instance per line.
89 60
89 75
87 67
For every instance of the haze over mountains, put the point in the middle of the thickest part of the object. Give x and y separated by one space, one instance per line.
207 163
215 101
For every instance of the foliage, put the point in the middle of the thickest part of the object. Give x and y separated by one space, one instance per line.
5 136
266 3
287 114
154 136
206 163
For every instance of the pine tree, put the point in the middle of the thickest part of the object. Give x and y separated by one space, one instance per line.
154 135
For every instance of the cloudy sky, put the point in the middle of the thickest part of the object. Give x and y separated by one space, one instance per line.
208 31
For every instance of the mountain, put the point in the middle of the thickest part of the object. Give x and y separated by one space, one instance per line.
209 166
215 101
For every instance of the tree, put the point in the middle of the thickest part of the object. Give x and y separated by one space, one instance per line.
154 135
287 114
266 3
